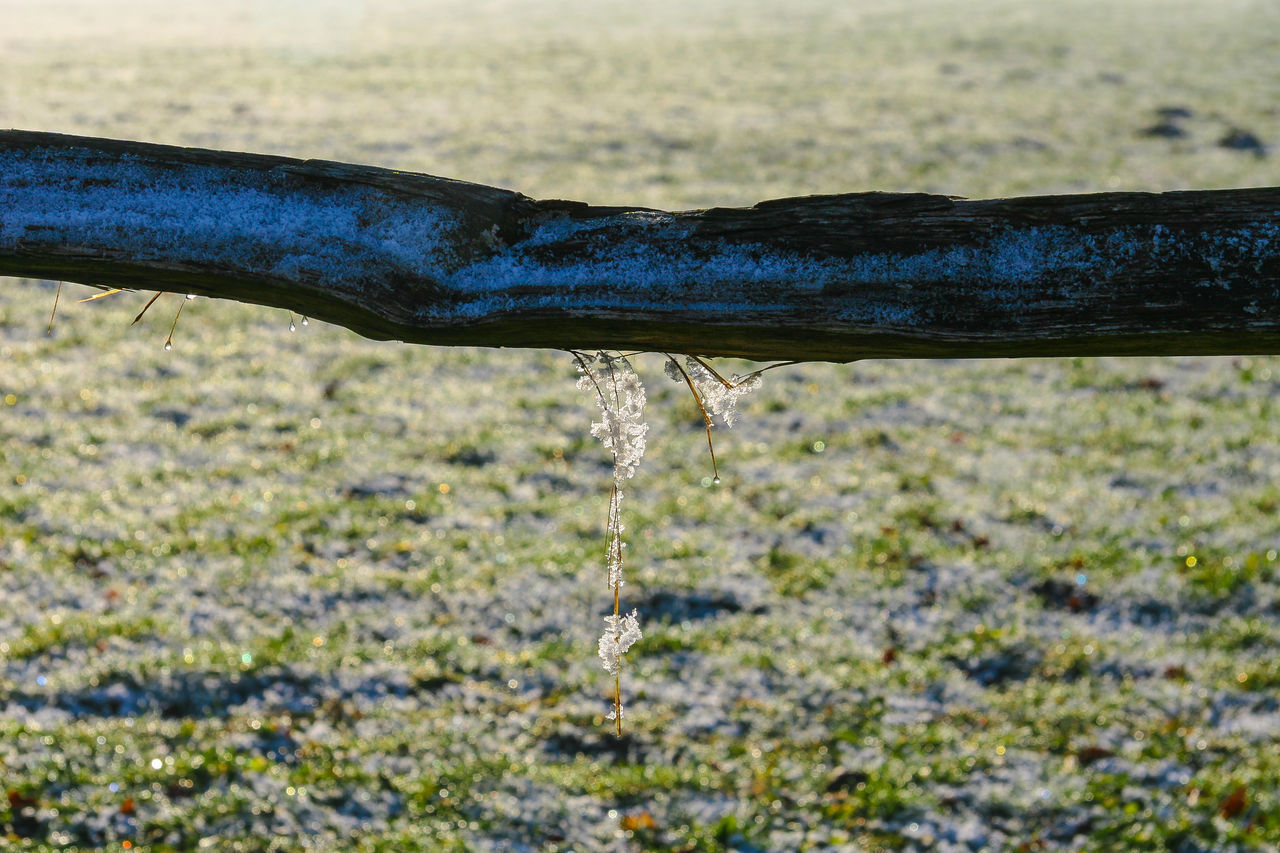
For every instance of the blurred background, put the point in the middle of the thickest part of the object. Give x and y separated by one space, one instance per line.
275 590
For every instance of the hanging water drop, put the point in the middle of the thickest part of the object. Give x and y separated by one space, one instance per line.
191 296
306 322
292 327
715 480
168 345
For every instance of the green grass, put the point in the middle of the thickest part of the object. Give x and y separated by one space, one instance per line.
314 592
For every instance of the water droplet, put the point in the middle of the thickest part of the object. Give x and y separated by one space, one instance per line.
715 480
306 322
168 345
292 327
191 296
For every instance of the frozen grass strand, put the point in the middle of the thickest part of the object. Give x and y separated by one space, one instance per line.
621 398
622 430
616 545
715 396
720 396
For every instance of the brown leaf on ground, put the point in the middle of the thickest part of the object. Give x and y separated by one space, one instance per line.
1234 803
1089 754
638 821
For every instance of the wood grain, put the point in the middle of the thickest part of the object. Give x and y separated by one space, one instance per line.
397 255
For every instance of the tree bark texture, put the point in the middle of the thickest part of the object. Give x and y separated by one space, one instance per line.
397 255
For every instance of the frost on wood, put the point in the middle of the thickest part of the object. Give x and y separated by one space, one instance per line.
839 277
260 222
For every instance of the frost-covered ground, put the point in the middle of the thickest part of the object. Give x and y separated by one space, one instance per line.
306 591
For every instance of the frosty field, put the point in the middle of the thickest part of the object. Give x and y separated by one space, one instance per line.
286 591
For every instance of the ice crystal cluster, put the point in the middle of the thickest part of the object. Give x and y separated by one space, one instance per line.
621 429
621 634
620 395
718 396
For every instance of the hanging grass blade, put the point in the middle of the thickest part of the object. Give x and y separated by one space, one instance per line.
168 342
706 416
150 302
110 292
54 313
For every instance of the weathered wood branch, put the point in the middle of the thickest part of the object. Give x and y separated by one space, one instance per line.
395 255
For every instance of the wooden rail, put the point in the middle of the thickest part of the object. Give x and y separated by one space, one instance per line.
397 255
